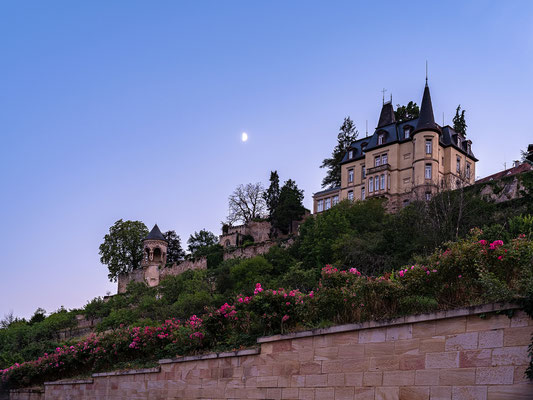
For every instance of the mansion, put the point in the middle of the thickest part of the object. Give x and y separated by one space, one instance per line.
402 161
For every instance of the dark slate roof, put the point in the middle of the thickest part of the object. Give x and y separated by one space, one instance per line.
330 190
387 115
426 119
155 234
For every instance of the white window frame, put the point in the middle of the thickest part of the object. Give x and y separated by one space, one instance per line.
335 200
350 195
429 146
377 161
370 185
363 172
407 132
350 175
320 205
363 194
468 170
384 159
428 196
376 184
328 203
382 182
381 139
458 165
427 168
350 154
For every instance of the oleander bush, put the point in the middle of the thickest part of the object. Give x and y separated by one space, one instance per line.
466 272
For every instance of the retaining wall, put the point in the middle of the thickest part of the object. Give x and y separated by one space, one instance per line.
469 353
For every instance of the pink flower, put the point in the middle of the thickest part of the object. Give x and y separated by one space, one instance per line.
258 288
401 273
500 257
459 276
285 318
311 294
483 242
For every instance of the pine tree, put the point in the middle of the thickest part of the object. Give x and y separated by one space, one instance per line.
271 195
459 124
175 253
347 135
290 207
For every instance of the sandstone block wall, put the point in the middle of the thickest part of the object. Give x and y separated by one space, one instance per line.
463 354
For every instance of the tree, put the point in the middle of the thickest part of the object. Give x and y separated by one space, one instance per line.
201 243
175 254
246 203
122 249
271 196
347 135
459 124
527 155
405 113
290 207
38 316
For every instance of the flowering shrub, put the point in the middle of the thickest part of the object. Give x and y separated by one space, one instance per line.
467 272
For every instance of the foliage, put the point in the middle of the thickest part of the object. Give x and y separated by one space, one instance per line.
290 207
271 195
245 274
175 253
346 136
246 203
122 249
459 123
201 243
467 272
405 113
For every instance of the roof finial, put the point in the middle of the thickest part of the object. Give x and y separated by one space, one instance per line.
391 97
366 128
383 91
426 72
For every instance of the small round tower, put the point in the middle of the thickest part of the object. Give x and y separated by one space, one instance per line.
155 255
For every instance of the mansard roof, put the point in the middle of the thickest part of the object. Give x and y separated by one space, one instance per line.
395 133
155 234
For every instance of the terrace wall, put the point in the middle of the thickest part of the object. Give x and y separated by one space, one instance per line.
470 353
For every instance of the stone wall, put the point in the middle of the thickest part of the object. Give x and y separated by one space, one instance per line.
464 354
250 251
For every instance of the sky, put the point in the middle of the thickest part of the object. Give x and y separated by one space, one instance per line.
135 109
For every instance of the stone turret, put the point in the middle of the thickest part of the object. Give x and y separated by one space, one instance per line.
155 255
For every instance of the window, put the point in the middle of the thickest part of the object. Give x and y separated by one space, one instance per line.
427 173
407 132
350 175
363 172
428 196
328 203
350 154
376 184
406 202
370 185
336 199
350 195
320 205
428 146
381 139
377 161
362 193
384 159
458 165
382 185
468 170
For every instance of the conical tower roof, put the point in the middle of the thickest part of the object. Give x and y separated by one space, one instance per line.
426 119
155 234
387 115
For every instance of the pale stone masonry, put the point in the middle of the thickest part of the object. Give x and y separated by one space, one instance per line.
465 354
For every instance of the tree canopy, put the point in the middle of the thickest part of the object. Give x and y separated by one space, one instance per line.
246 203
346 136
405 113
290 207
201 243
459 123
271 195
175 253
122 249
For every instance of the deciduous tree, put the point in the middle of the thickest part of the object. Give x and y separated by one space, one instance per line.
404 113
200 243
122 249
246 203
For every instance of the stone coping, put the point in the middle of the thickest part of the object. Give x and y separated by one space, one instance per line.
457 312
70 382
209 356
27 390
129 372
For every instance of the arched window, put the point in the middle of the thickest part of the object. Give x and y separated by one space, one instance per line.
157 254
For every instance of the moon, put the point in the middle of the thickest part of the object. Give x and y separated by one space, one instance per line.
244 137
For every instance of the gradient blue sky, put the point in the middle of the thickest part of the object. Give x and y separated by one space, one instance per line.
134 110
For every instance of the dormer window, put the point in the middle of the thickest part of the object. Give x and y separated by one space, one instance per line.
363 147
381 138
350 154
407 132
